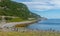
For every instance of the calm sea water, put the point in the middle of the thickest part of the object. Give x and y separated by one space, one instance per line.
50 24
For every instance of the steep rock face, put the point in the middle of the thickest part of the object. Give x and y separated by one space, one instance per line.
11 8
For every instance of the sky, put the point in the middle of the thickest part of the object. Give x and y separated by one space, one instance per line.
45 8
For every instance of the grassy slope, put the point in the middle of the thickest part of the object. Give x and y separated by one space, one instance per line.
29 33
11 8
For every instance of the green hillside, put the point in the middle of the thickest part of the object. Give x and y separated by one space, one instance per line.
11 8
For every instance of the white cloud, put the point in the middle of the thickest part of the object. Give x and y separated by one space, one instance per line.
39 5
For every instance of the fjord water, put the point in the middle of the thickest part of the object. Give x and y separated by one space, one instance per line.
49 24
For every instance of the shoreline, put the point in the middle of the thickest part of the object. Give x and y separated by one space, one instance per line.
11 25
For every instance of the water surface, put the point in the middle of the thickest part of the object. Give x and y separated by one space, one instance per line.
53 24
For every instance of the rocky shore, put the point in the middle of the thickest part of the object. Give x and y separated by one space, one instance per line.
11 26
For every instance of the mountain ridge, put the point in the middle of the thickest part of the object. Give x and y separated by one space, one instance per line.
12 8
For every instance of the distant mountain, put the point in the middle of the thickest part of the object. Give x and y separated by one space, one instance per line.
11 8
